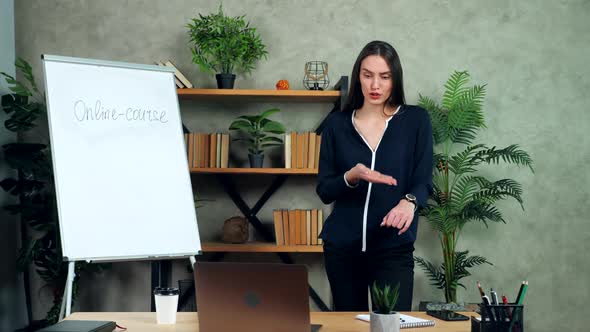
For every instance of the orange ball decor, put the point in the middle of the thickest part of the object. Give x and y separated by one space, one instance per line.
282 85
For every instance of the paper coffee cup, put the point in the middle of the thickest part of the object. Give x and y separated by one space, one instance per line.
166 304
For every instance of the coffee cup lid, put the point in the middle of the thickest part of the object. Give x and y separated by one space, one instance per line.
166 291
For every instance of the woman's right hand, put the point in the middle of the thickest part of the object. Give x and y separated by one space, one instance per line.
362 172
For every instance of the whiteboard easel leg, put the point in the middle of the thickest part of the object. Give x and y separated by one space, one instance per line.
62 309
193 261
69 287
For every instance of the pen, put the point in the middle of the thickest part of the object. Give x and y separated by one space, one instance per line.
486 302
523 293
520 291
519 300
481 293
506 310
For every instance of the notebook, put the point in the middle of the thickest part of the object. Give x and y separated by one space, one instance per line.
406 321
81 326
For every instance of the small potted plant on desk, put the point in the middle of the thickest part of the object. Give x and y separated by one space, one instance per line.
383 317
258 130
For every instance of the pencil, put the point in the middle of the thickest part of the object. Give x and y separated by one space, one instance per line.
481 293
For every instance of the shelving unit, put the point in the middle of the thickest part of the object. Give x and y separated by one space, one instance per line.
285 171
225 175
259 95
257 247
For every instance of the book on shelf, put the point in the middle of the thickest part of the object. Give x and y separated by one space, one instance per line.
320 226
305 149
285 229
302 150
218 153
178 74
308 227
287 148
207 150
176 80
297 226
224 150
314 227
212 150
292 227
311 157
278 221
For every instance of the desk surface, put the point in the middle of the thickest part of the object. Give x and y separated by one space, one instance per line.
331 321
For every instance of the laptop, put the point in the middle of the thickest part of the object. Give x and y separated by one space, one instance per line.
252 297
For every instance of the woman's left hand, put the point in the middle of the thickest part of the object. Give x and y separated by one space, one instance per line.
401 216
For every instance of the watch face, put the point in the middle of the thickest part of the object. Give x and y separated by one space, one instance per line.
411 197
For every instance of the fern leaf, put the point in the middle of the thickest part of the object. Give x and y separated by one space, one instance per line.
463 162
436 276
455 87
438 118
511 154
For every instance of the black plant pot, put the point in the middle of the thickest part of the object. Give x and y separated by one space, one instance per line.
225 81
256 160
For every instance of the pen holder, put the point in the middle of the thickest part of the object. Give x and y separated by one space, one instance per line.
499 318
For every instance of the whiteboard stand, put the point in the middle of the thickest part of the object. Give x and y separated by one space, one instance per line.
193 261
106 118
66 303
70 286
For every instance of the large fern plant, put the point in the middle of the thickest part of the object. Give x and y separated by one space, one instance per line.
460 195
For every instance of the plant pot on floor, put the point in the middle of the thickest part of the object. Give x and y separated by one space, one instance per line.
384 323
225 81
256 160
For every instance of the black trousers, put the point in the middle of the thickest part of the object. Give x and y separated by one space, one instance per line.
352 272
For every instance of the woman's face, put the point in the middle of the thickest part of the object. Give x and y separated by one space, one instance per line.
375 77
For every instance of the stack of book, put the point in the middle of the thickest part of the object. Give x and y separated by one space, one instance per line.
179 78
302 150
298 227
207 150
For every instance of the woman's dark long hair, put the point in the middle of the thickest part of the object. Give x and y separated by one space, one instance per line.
386 51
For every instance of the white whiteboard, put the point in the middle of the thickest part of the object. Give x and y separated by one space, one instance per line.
120 168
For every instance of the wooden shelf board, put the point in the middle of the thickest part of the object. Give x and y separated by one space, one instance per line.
259 95
246 170
257 247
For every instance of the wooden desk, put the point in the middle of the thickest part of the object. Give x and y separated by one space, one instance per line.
331 321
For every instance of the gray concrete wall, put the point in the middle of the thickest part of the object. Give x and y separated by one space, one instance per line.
532 54
12 304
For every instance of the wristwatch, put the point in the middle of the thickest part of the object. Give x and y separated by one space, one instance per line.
412 199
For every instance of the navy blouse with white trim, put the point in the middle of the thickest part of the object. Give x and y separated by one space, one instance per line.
404 152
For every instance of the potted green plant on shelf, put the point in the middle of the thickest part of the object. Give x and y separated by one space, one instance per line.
460 195
259 134
383 317
32 185
225 45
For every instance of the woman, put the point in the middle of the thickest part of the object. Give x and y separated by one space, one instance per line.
376 166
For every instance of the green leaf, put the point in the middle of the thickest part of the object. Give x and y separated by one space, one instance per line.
438 118
274 127
455 87
511 154
269 112
436 276
27 72
16 86
271 139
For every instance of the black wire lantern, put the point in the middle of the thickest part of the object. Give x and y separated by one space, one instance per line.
316 75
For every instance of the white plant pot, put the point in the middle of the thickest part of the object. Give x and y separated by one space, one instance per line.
384 323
